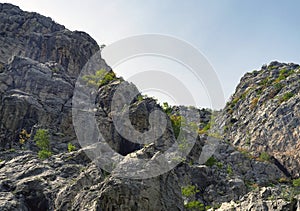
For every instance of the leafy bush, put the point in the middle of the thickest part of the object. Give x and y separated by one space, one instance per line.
167 109
189 190
100 78
71 147
195 205
41 139
176 119
211 161
44 154
296 182
140 98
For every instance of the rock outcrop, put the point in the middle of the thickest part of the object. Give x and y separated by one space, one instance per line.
37 37
40 61
266 198
264 115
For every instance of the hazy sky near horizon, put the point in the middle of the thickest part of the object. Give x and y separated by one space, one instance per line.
235 36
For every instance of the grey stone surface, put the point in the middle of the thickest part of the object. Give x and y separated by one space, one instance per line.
263 115
39 63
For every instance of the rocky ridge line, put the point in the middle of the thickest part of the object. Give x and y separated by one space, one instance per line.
70 180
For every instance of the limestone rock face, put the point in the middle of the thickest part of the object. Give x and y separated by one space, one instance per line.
264 114
228 175
39 64
267 198
70 182
40 61
33 93
40 38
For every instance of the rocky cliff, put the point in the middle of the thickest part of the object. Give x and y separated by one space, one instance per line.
40 61
263 115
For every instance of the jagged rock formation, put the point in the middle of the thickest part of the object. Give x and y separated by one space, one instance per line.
266 198
264 114
33 93
70 182
40 61
40 38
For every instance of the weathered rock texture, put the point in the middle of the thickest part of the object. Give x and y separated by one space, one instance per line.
266 198
264 114
40 38
39 63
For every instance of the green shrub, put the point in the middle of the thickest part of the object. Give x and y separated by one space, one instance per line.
189 190
44 154
211 161
100 78
71 147
140 98
219 165
176 124
41 139
296 182
283 71
168 109
195 205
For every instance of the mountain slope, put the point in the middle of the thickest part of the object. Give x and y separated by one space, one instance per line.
263 115
39 63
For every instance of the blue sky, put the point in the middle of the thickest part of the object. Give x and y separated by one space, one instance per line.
235 36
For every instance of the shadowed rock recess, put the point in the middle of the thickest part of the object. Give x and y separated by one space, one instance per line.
246 156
